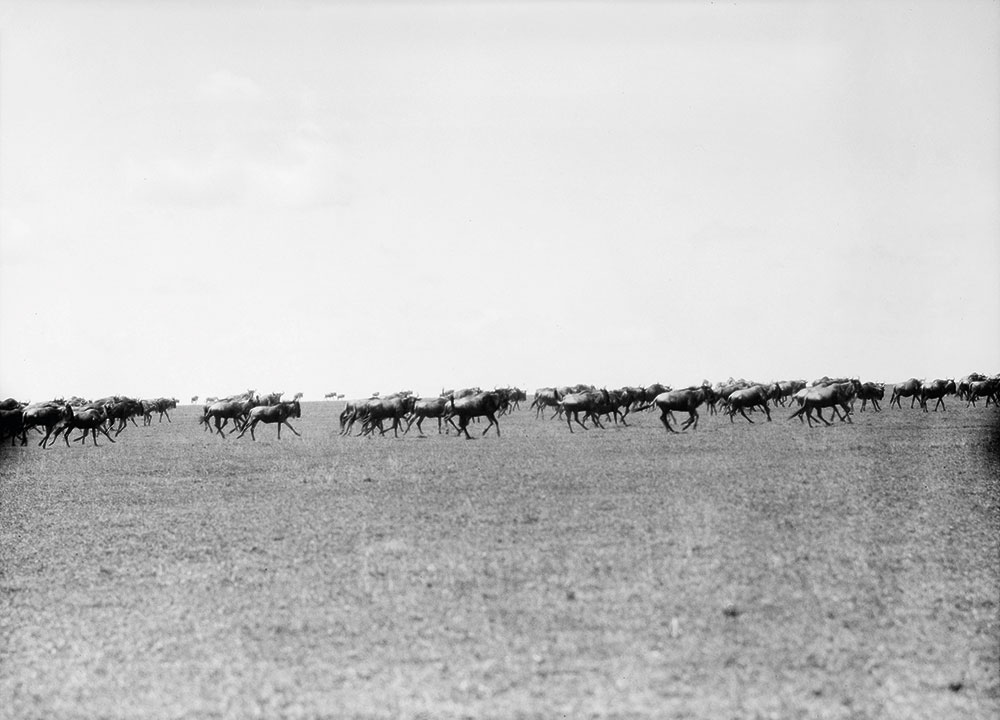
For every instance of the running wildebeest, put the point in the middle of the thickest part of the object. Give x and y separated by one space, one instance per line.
909 388
871 393
543 398
394 407
12 424
831 396
465 408
224 411
158 405
686 400
92 419
47 415
587 403
270 414
989 389
428 408
353 411
755 396
936 390
123 410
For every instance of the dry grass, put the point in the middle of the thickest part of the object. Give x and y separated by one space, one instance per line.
734 571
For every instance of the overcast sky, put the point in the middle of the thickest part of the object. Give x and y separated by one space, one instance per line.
200 198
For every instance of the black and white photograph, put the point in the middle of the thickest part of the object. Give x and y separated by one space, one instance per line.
498 359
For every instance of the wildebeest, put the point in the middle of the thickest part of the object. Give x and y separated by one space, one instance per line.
963 384
686 400
544 398
589 403
225 410
46 415
831 396
157 405
909 388
270 414
92 419
12 425
989 389
123 409
936 390
353 411
871 393
785 389
483 404
427 408
394 407
755 396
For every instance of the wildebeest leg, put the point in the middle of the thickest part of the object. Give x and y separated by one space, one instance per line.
941 403
819 414
493 422
692 420
167 414
767 411
576 416
666 423
463 427
285 422
745 415
101 428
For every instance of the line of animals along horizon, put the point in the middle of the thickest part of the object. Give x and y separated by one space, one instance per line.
455 409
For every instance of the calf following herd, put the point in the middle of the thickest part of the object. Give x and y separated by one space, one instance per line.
457 409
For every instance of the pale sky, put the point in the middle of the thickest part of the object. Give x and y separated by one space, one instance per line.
200 198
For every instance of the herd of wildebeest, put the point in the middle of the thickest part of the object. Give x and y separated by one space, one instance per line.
455 409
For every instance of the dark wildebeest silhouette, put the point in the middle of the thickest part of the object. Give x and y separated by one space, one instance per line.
91 418
936 390
832 396
270 414
472 406
47 415
909 388
686 400
425 408
740 400
871 393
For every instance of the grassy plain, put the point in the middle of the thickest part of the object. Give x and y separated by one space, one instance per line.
735 571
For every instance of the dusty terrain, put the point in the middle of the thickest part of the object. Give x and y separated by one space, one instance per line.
735 571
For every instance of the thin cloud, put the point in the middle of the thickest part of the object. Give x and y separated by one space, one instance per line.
224 85
295 169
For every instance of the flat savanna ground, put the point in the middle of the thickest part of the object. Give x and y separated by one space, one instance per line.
734 571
